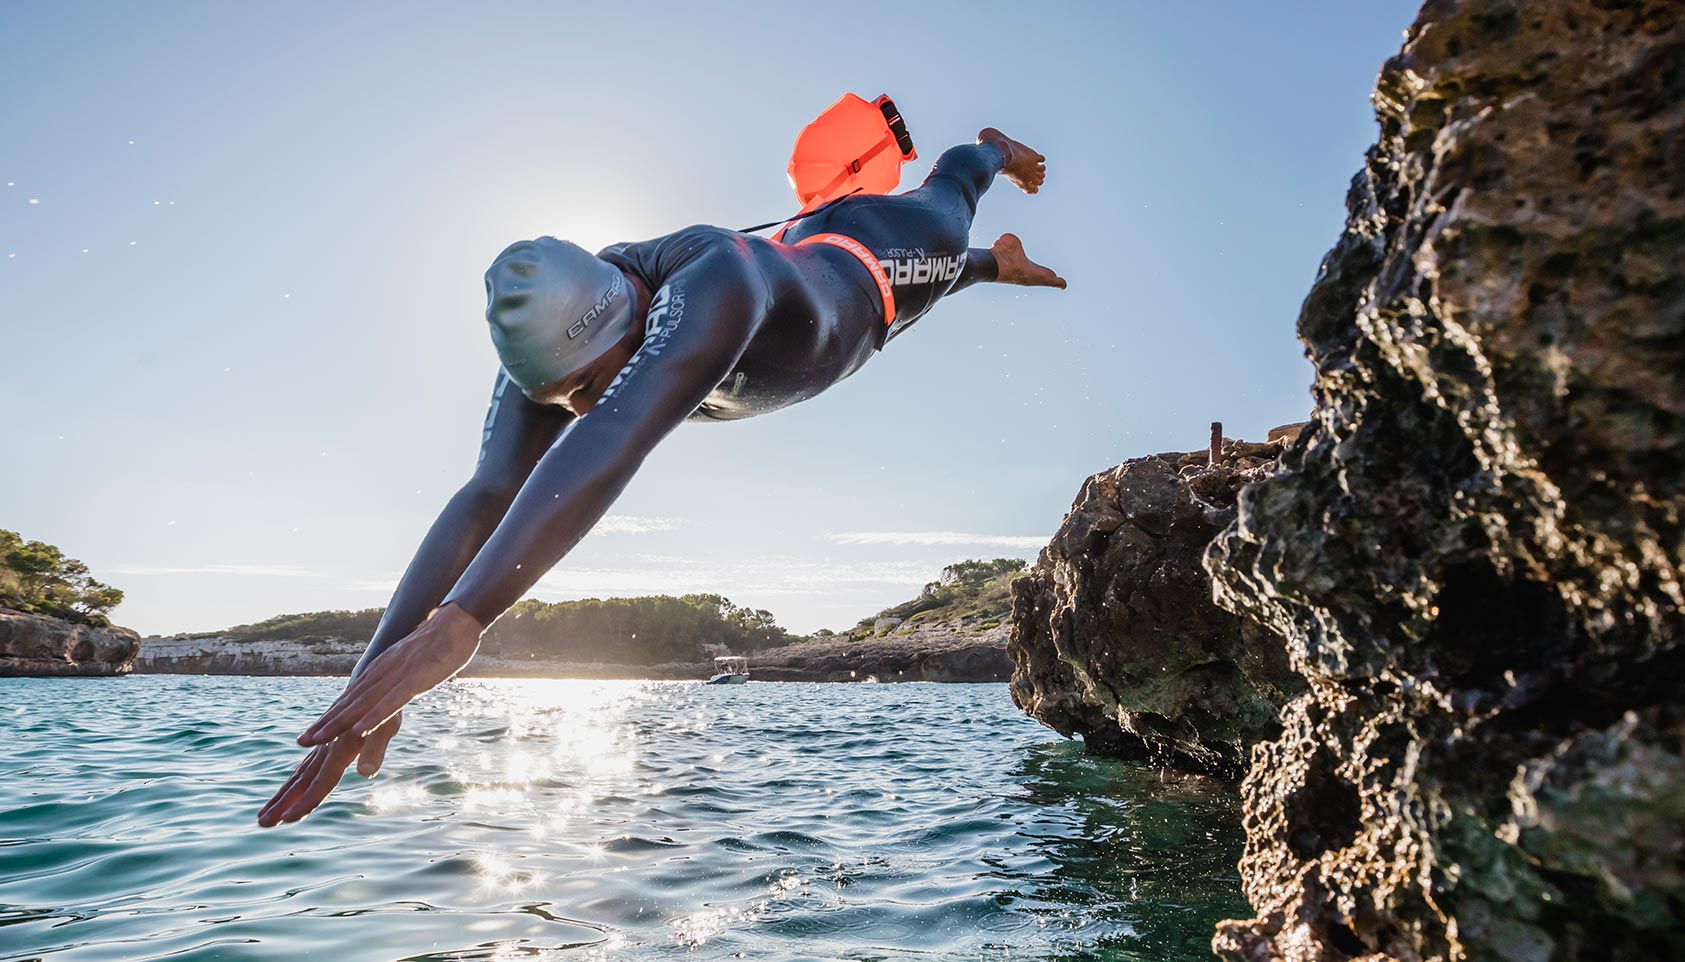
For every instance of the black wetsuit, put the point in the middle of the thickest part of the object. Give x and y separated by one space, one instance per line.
739 325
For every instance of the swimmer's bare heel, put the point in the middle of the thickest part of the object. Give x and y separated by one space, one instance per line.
1013 266
1024 167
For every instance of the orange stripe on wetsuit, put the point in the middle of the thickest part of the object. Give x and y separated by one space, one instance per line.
865 257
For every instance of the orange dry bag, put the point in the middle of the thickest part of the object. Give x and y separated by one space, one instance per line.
854 146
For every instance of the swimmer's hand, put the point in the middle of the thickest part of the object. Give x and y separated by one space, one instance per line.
320 771
427 656
364 718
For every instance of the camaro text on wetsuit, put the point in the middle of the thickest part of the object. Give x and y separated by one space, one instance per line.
666 311
922 270
503 383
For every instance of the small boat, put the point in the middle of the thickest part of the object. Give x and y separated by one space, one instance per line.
730 670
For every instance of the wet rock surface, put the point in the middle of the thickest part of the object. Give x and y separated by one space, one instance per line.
1474 553
1115 636
36 645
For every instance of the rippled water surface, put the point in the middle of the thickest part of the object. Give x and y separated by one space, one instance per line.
594 820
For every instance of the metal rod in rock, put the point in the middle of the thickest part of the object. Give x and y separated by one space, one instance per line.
1216 441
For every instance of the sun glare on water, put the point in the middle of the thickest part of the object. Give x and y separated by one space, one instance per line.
530 752
541 774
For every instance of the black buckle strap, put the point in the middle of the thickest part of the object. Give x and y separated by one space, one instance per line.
897 126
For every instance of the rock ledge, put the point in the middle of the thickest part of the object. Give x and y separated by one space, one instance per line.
38 646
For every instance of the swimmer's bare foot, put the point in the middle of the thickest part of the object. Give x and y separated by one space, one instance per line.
1024 167
1015 268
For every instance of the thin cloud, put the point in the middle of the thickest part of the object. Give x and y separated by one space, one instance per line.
262 571
632 524
387 585
936 538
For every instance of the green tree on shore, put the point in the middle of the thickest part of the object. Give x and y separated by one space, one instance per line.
974 588
36 577
633 631
648 630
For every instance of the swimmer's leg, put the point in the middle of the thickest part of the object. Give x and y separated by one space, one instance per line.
965 172
973 167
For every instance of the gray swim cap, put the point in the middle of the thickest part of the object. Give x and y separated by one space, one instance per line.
554 307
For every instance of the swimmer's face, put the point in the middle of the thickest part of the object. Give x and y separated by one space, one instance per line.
580 391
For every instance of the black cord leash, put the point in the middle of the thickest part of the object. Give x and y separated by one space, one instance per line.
792 220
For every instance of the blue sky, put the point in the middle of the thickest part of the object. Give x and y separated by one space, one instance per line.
244 353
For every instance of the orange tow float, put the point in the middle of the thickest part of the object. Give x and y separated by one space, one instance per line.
854 146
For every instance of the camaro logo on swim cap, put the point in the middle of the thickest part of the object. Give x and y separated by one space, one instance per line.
597 309
554 307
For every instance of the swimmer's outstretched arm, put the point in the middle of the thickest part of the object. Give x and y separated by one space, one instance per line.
517 432
702 320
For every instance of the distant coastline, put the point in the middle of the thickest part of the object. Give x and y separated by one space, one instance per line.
954 631
53 622
956 652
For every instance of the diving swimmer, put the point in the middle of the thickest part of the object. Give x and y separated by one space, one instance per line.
732 325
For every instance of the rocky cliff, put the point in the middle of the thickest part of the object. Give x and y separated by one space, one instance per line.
215 655
34 645
1475 553
1115 636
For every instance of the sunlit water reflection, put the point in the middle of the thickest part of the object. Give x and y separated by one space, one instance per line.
594 820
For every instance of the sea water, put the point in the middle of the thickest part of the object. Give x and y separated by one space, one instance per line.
573 820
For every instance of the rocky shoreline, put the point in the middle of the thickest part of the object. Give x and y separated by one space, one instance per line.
943 653
34 646
1116 638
